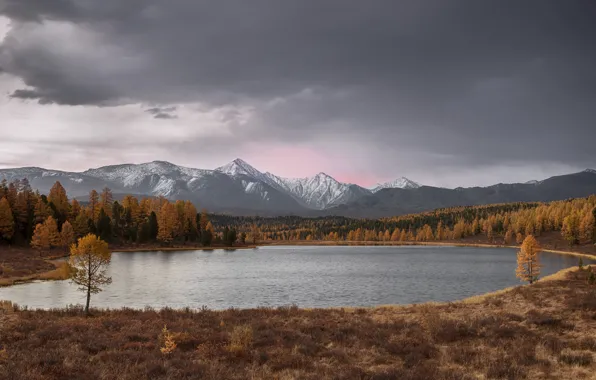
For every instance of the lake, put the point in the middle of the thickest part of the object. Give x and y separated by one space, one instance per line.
307 276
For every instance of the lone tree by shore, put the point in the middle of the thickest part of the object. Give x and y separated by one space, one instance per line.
528 265
89 259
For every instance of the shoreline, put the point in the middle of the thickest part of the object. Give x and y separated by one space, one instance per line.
172 249
431 244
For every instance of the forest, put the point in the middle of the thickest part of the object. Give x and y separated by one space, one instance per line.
499 223
53 220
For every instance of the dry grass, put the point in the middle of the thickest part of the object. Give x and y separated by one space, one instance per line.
543 331
19 265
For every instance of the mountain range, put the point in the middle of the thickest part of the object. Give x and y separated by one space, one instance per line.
238 188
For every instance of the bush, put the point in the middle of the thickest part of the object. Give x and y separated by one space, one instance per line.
168 345
241 339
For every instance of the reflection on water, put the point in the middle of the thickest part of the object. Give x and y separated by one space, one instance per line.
306 276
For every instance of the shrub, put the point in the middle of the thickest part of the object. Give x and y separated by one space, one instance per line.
241 339
168 345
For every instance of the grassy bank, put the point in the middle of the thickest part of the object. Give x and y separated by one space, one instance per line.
543 331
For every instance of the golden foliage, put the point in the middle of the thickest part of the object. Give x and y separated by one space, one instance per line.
528 265
89 259
168 344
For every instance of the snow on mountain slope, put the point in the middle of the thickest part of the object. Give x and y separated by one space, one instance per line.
155 178
317 192
400 183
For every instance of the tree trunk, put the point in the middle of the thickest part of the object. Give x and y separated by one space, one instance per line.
88 300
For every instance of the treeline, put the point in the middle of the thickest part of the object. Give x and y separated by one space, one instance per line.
506 223
27 217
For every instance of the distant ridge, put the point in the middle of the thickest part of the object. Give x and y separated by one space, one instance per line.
239 188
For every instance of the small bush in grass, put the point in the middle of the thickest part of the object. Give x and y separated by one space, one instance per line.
168 345
591 279
241 339
580 264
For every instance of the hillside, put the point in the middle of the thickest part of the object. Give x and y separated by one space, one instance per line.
390 202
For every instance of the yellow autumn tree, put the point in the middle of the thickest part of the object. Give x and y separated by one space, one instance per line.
41 239
6 220
89 259
167 222
528 265
570 229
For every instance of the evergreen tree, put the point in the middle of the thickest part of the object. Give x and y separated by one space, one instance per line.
153 226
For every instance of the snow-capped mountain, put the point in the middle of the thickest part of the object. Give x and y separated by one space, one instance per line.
239 188
400 183
154 178
320 191
239 180
317 192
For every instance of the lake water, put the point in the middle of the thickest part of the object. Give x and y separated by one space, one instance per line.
314 276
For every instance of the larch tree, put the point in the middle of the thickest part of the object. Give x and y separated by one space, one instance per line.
89 259
52 227
6 220
58 197
167 221
41 211
570 228
528 265
41 239
105 201
67 235
93 205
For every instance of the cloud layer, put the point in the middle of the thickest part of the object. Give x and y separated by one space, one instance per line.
427 88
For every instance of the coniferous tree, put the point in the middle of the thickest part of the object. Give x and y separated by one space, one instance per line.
53 233
67 235
153 226
528 265
89 259
41 239
7 225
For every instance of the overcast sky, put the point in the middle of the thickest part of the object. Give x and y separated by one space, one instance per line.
448 93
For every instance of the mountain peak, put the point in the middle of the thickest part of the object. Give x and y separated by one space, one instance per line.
593 171
239 167
400 183
324 175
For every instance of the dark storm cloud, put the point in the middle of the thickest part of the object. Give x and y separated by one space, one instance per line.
166 113
473 81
